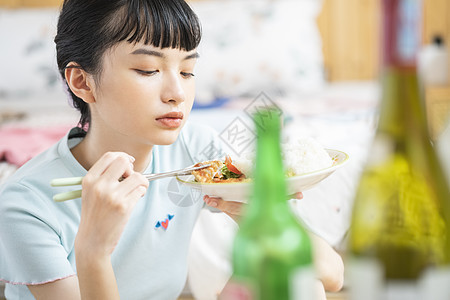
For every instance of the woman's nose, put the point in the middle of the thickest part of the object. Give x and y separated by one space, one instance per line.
172 90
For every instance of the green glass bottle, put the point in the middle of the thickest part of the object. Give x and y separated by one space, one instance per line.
399 246
271 255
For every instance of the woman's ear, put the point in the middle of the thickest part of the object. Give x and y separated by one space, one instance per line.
80 82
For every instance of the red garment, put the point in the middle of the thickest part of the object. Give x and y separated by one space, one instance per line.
18 145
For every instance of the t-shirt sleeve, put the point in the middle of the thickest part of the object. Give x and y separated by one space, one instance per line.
31 251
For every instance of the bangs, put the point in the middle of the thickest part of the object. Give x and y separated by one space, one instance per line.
160 23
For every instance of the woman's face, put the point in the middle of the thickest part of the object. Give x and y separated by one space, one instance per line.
144 93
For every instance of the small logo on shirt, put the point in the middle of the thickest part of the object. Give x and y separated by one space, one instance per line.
164 224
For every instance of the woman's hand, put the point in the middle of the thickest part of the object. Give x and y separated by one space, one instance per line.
107 202
233 208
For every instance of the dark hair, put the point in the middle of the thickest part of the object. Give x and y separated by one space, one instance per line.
88 28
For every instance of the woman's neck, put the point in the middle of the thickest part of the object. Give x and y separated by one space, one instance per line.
94 145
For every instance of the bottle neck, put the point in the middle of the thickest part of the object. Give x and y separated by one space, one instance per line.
401 33
269 193
402 111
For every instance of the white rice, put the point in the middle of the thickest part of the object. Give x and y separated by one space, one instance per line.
300 156
304 156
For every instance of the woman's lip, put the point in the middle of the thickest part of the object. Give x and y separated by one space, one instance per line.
173 119
170 122
171 115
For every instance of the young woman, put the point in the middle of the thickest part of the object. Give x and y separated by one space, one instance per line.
129 68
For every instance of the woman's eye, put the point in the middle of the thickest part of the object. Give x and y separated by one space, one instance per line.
187 74
147 73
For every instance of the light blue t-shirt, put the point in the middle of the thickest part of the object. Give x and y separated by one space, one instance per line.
150 262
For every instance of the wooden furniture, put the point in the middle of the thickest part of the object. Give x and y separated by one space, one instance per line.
29 3
438 109
350 30
437 98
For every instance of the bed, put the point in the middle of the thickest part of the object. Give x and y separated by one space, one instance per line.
233 72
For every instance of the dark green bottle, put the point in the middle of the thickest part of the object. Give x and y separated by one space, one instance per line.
272 257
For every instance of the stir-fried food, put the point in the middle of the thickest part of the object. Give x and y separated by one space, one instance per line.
218 172
207 174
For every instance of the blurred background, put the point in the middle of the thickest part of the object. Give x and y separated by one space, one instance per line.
316 59
346 49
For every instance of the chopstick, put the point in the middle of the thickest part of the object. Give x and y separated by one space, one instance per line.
69 181
61 197
66 181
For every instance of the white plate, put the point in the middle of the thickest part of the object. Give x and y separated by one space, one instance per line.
240 191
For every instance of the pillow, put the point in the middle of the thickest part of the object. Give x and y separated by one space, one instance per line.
247 47
255 45
28 59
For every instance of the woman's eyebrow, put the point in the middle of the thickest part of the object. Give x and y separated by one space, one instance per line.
144 51
148 52
191 56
